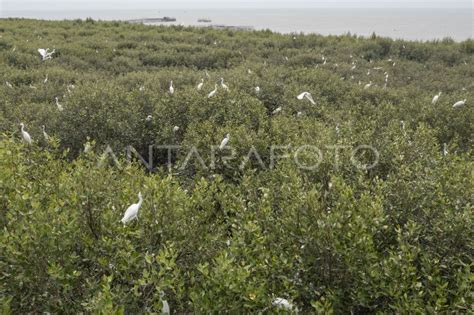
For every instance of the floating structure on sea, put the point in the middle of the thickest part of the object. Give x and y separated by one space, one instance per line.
153 20
232 27
204 20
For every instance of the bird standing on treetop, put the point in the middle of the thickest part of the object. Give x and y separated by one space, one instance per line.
213 92
45 135
224 141
459 104
436 98
225 87
25 135
60 107
132 211
199 87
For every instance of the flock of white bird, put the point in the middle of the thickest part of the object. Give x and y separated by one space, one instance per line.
132 211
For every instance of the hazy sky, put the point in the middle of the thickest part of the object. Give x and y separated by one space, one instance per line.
221 4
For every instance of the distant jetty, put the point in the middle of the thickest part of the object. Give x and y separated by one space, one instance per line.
231 27
153 20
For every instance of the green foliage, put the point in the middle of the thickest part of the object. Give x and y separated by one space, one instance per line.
231 235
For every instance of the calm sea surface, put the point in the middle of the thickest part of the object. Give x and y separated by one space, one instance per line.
411 24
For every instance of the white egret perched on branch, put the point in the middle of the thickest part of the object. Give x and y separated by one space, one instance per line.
171 87
9 84
368 85
277 110
199 87
175 129
45 79
71 87
257 89
60 107
149 118
436 98
25 135
459 104
223 85
45 135
224 141
166 307
45 53
284 304
213 92
132 211
445 149
306 95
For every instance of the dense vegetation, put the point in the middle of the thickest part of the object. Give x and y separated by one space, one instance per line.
395 238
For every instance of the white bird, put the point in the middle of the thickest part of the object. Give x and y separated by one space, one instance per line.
224 86
445 149
277 110
436 98
207 74
171 87
32 86
87 147
25 135
213 92
60 107
45 79
70 87
141 88
175 129
459 104
283 304
257 89
45 54
224 141
249 71
306 95
132 211
353 67
199 87
299 114
9 84
166 307
45 135
149 118
368 85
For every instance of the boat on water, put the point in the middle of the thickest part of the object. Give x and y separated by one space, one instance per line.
204 20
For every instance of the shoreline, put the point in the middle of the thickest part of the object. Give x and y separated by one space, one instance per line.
252 28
